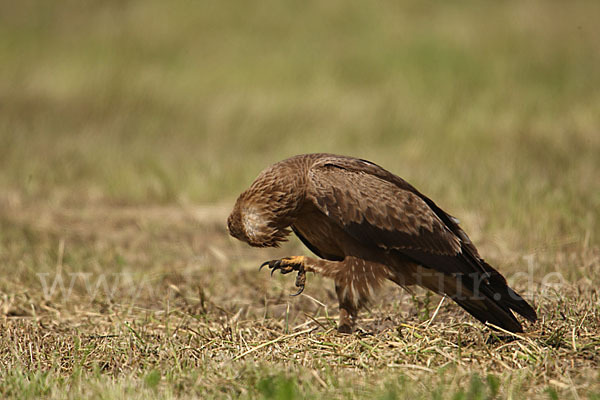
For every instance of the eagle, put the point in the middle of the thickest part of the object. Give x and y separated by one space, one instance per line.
367 226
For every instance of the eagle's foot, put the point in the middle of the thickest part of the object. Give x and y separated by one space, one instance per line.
347 321
348 309
287 265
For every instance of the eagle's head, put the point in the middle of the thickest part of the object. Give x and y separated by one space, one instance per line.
254 225
235 226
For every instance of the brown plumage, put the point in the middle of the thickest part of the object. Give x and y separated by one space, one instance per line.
367 225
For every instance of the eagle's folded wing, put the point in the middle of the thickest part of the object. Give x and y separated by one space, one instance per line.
379 209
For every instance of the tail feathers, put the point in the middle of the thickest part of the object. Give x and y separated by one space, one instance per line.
499 312
519 305
491 302
499 290
488 311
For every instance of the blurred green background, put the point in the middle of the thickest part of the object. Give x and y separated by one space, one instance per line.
486 106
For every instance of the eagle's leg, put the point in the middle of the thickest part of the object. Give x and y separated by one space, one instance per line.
347 274
348 310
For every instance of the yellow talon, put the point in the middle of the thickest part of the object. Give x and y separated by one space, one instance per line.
287 265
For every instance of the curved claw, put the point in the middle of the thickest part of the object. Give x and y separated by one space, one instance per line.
263 264
273 264
298 292
285 268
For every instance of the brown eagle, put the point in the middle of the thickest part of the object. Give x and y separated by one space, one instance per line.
367 225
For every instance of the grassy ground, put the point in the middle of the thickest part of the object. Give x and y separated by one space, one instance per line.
127 128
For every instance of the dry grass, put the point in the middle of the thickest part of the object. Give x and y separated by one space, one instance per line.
159 302
123 123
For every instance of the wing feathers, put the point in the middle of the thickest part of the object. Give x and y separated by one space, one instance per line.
380 209
379 212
